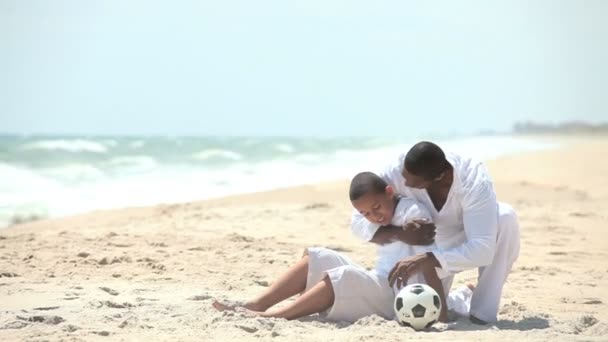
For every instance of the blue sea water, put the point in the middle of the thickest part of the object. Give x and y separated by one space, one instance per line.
57 176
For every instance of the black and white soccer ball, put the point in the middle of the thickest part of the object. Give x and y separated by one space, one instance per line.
417 306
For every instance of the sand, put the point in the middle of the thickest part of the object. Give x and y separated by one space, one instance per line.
152 273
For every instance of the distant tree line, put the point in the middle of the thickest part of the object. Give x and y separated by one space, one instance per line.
564 127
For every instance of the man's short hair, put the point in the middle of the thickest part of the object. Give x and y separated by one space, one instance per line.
426 160
366 182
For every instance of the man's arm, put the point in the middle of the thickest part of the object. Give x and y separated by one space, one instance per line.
480 218
413 233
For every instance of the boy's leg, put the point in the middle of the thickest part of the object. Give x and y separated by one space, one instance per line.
306 273
319 298
486 296
292 282
345 293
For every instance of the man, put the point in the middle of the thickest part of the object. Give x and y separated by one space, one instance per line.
473 230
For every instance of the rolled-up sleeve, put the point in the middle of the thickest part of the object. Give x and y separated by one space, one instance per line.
361 227
480 218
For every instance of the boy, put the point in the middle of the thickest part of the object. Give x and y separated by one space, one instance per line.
376 201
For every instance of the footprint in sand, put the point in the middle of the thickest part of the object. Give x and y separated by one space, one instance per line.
8 275
261 283
198 249
114 260
71 328
109 290
248 328
319 205
581 214
592 301
51 320
584 322
200 297
115 305
120 245
15 325
46 308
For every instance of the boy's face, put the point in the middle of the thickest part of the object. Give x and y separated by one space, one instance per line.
377 207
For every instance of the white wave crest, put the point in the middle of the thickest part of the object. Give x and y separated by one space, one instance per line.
137 144
75 145
134 163
217 154
284 148
74 172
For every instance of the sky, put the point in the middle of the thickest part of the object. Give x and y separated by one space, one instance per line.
299 68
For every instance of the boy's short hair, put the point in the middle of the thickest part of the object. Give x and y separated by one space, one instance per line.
366 182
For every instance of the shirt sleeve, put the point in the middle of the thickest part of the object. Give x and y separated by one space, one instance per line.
407 210
359 225
480 218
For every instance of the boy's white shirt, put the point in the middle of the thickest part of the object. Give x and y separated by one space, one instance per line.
406 210
466 225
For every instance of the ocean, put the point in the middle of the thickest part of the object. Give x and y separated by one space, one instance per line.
52 176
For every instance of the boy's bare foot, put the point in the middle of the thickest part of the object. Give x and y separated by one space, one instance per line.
234 305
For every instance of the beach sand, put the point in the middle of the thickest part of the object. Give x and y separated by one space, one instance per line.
152 273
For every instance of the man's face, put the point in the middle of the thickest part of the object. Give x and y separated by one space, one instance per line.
414 181
377 207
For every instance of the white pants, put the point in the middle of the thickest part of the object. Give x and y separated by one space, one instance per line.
358 292
486 297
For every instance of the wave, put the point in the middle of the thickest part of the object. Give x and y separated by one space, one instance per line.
134 161
75 145
217 154
287 148
74 172
111 181
137 144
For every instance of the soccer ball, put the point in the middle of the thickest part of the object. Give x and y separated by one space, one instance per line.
417 306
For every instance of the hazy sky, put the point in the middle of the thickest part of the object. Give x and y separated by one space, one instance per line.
306 67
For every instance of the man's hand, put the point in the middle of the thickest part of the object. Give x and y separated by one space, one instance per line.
407 267
417 232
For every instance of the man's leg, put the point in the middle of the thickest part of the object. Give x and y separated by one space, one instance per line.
486 297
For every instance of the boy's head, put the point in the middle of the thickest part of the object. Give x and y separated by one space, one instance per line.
372 197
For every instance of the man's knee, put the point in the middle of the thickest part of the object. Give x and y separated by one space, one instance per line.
507 219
